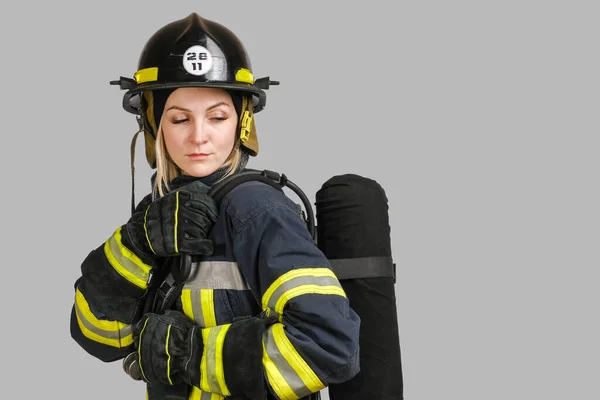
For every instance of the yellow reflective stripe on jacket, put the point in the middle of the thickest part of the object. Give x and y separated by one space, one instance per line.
125 262
211 367
298 282
112 333
208 307
198 394
199 305
287 372
198 291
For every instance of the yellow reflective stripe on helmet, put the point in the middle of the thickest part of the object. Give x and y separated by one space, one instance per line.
112 333
298 282
244 75
211 367
125 262
287 372
146 75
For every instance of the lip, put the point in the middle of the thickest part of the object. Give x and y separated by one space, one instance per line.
198 156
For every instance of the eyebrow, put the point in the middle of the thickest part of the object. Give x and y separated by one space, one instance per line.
209 108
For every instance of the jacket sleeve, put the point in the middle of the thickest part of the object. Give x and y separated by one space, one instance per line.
109 294
314 340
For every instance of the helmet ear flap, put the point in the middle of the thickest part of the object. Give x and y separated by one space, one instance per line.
247 127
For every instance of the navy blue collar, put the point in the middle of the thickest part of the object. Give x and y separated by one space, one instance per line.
182 180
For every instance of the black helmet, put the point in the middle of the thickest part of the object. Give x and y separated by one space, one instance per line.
194 52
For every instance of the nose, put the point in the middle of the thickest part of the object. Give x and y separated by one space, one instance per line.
198 133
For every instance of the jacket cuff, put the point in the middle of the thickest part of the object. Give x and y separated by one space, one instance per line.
114 280
232 360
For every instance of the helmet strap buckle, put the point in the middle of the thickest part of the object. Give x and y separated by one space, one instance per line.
245 126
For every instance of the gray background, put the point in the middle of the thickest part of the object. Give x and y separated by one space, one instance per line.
480 120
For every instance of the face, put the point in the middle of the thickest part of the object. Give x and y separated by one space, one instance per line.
199 129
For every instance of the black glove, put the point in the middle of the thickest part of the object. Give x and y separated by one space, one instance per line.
170 348
178 222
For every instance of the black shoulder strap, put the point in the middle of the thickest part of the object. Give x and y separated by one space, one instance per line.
220 189
274 179
167 290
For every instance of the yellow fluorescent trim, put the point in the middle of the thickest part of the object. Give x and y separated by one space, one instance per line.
83 307
130 255
125 273
220 371
316 272
244 75
139 350
102 324
208 307
176 221
195 395
203 370
286 348
146 230
186 303
125 262
95 337
276 380
146 75
127 340
168 354
306 289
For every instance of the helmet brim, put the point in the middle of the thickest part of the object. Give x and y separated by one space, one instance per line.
132 103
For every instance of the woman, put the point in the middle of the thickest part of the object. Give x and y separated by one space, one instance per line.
260 314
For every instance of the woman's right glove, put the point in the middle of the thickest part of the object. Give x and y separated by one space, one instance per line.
176 223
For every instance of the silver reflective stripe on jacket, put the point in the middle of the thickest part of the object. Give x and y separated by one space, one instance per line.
198 291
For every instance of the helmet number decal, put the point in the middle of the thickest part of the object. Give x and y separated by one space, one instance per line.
197 60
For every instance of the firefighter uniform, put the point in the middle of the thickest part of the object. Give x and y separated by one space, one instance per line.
265 262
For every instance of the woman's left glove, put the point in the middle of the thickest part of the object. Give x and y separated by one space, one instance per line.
169 348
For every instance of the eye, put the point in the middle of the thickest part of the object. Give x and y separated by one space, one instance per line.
179 121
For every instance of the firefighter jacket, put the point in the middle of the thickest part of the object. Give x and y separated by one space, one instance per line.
265 261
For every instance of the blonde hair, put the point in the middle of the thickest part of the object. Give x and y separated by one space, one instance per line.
167 170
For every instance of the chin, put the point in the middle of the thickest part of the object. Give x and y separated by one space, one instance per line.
200 171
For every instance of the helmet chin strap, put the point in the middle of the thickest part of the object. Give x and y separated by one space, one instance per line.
132 158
